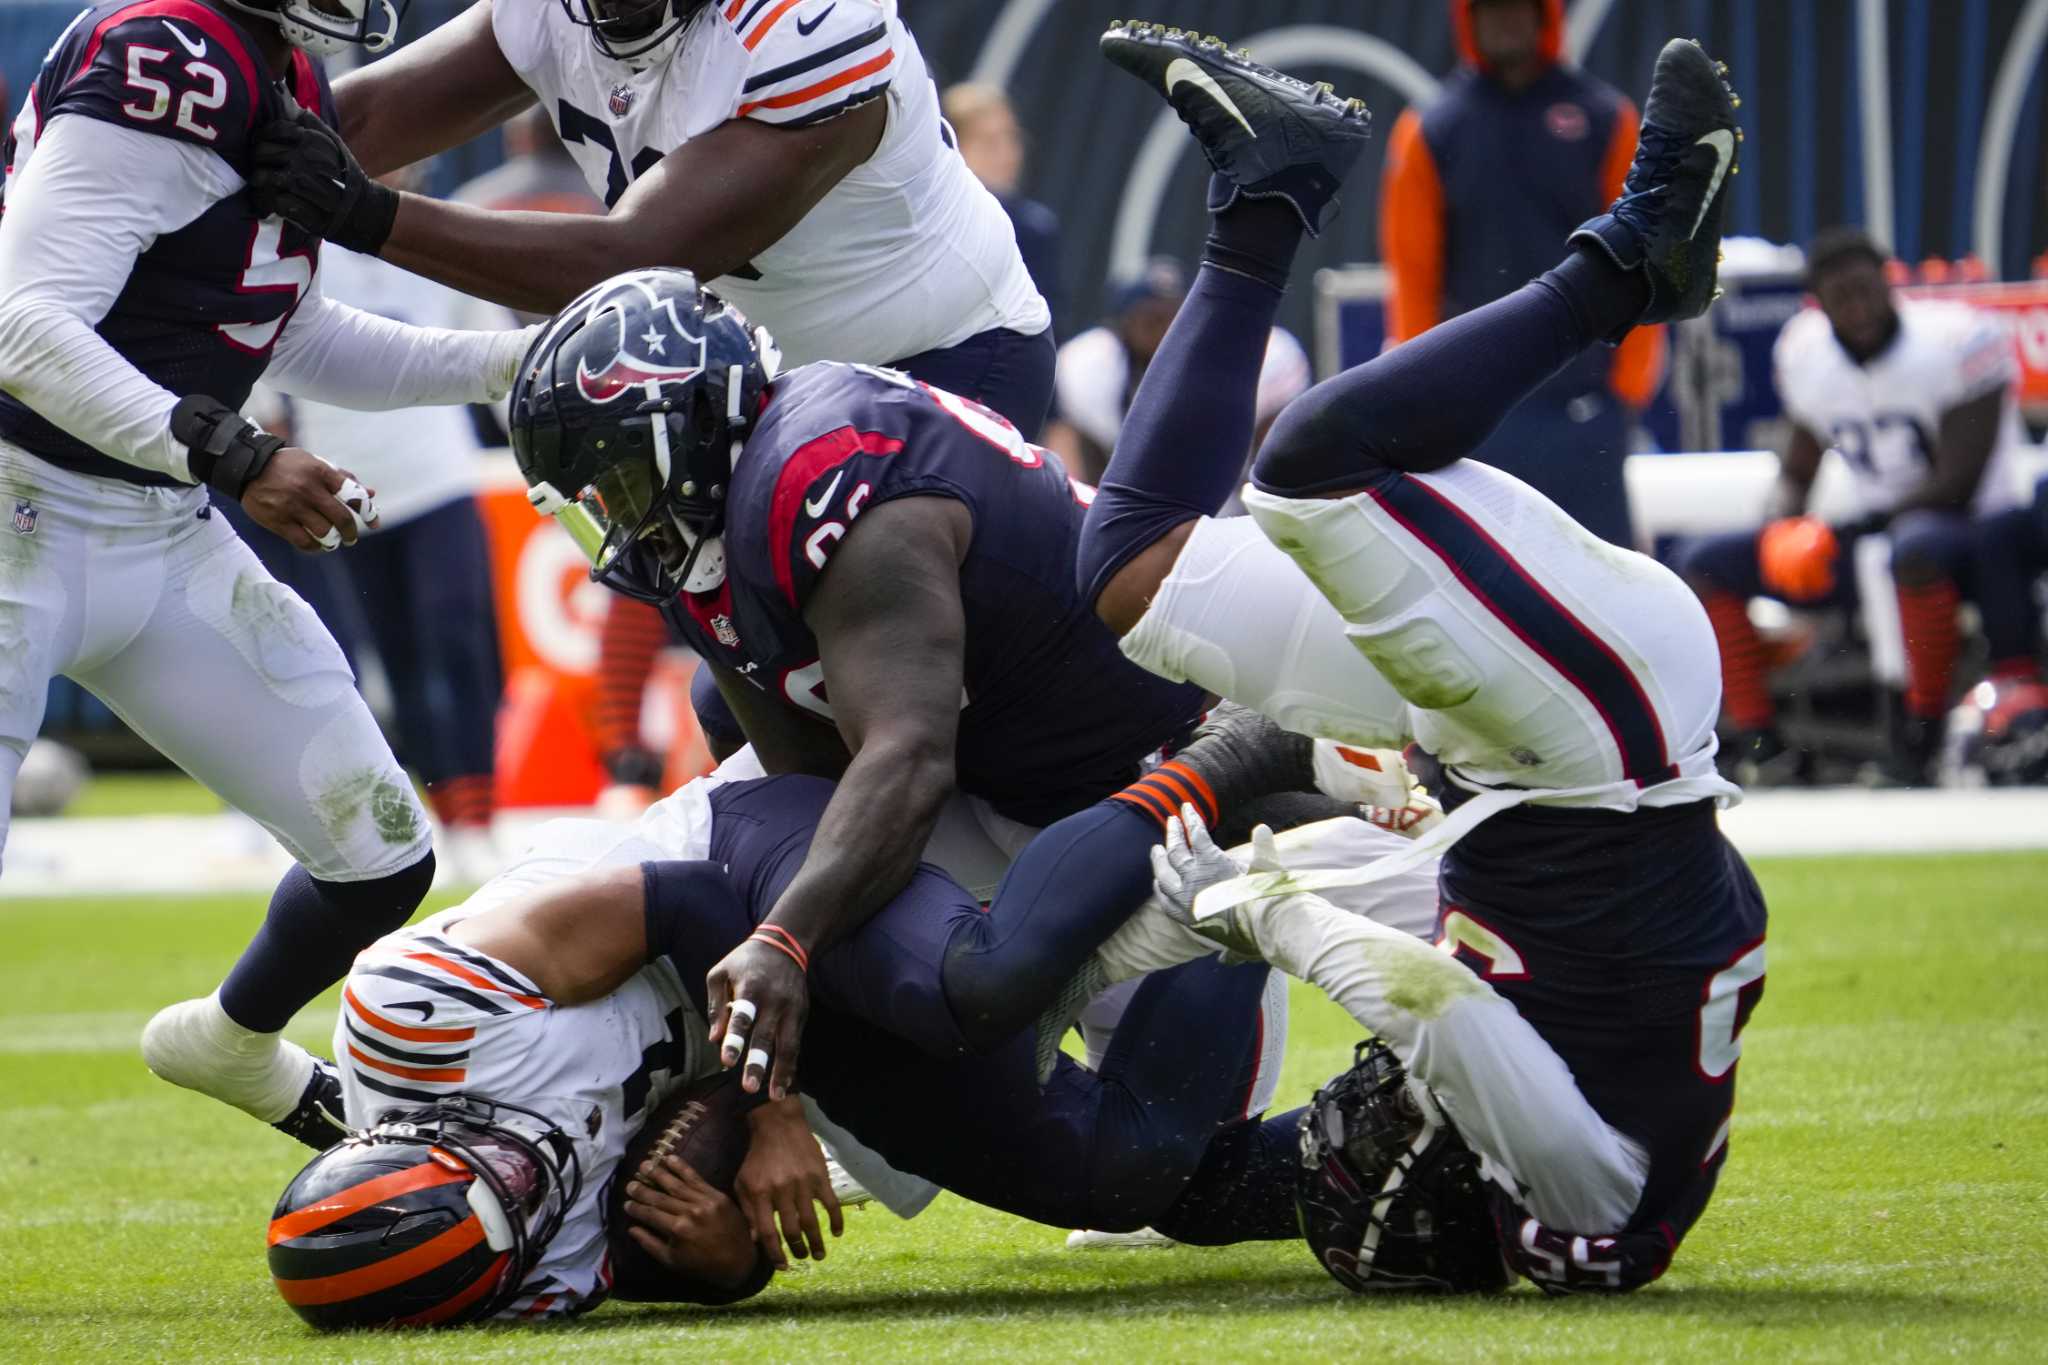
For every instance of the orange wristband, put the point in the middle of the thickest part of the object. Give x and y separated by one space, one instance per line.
775 936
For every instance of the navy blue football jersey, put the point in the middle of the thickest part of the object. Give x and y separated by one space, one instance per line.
1054 716
204 305
1634 944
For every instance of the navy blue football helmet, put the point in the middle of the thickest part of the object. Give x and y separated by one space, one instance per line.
433 1217
627 414
1389 1197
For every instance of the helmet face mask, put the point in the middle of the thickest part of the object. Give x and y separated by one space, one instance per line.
626 417
1389 1197
639 33
327 28
483 1183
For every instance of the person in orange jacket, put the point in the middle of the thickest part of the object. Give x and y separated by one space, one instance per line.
1480 187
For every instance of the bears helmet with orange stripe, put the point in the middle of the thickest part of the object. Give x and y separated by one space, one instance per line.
433 1217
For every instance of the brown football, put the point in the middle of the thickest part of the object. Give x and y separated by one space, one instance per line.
704 1123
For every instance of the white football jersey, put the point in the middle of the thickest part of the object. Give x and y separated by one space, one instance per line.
907 254
1885 417
422 1016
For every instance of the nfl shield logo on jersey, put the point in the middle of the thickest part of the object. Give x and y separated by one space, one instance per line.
25 516
721 626
621 100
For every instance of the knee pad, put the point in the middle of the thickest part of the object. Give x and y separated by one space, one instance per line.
1308 451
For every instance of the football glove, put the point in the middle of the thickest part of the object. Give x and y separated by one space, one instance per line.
303 172
1796 556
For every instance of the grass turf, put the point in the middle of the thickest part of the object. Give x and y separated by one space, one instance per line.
1886 1197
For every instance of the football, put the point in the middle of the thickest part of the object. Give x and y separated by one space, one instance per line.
704 1123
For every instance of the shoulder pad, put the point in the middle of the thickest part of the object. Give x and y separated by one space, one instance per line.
176 68
809 60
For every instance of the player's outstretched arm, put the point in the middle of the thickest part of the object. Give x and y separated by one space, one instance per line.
691 209
334 353
891 634
430 95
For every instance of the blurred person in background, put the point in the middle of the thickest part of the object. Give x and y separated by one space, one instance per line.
1479 186
1100 370
420 584
992 144
1920 397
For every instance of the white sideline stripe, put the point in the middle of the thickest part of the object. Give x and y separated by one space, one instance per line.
227 854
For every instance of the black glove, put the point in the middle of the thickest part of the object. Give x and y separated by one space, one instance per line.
303 173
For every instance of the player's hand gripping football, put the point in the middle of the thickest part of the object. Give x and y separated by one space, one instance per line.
686 1225
308 501
760 998
783 1177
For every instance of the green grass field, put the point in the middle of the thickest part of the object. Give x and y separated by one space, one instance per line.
1887 1196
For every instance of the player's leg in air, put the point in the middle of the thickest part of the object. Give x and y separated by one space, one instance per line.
1538 664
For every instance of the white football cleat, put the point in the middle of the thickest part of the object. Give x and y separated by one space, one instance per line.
1363 777
1144 1239
194 1044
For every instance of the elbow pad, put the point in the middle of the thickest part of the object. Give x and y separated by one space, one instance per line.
225 450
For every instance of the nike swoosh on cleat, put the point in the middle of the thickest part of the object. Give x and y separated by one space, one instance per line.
425 1007
806 30
1723 143
1184 72
197 49
817 508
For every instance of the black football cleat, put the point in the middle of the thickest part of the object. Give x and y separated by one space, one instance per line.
317 1119
1268 135
1667 223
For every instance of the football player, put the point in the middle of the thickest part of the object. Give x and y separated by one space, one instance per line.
1385 590
1920 397
568 993
878 571
140 298
791 150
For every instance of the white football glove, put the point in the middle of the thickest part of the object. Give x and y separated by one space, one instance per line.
1363 777
1188 862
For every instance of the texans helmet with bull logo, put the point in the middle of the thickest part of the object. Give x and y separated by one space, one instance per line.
628 412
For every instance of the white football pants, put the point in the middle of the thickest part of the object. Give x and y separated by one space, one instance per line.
167 617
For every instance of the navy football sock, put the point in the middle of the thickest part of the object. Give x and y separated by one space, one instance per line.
1256 238
313 931
1182 450
1434 399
